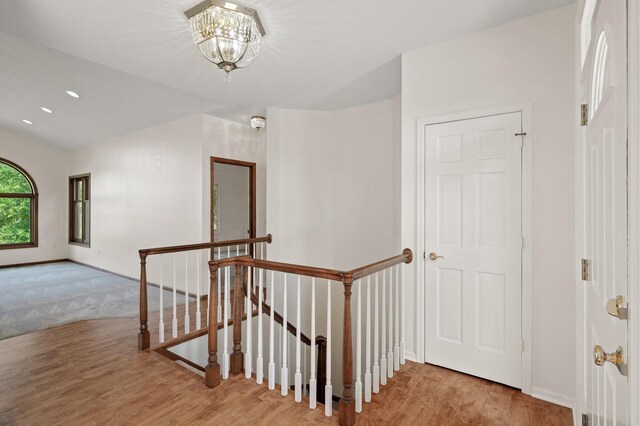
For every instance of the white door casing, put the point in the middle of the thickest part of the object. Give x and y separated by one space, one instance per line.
603 188
473 218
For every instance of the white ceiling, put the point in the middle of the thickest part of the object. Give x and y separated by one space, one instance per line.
135 65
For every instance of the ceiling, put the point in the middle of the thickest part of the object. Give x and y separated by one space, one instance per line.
134 63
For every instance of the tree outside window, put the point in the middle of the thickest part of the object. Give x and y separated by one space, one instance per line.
18 207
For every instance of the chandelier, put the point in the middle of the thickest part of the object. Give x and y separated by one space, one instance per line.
227 34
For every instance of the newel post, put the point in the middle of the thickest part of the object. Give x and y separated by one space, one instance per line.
144 340
212 370
237 358
347 407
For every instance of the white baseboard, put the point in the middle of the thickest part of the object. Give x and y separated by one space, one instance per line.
554 398
410 356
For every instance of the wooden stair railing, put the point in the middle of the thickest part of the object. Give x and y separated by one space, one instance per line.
347 405
144 339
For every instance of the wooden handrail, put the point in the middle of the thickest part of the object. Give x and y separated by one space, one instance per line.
311 271
358 273
201 246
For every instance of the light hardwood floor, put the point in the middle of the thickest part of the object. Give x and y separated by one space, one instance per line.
90 372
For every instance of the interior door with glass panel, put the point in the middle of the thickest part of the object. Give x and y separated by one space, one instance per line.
604 193
473 244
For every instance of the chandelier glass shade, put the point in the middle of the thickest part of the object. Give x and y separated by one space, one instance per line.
229 35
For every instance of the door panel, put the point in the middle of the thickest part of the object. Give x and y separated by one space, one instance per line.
473 220
605 209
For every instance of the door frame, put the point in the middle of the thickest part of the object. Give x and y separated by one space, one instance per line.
252 193
526 110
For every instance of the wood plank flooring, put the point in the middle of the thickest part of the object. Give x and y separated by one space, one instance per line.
90 373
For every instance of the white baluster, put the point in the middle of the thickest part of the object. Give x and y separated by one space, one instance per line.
247 356
376 367
187 319
396 335
257 256
219 293
272 364
390 325
259 361
312 380
305 390
198 285
246 249
383 340
284 379
402 313
238 250
359 349
225 326
367 373
298 376
174 322
161 325
328 389
227 306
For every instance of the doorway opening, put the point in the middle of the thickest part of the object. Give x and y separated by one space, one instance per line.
232 199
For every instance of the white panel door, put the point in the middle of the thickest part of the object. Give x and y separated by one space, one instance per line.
473 221
605 210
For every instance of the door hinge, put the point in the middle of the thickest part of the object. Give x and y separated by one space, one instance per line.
585 420
521 242
522 345
584 114
586 264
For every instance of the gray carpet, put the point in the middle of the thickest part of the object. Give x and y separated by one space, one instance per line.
43 296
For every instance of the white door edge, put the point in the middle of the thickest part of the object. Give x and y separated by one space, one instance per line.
526 110
634 207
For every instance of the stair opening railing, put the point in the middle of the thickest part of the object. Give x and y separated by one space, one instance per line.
182 272
259 278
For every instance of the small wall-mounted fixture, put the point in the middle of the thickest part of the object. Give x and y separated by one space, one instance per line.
258 122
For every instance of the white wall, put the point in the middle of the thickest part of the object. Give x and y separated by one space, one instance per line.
332 184
151 189
332 181
530 60
146 190
48 167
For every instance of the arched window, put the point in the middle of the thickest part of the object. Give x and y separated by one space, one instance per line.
18 207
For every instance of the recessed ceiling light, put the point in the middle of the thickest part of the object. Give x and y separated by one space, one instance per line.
72 94
27 122
47 110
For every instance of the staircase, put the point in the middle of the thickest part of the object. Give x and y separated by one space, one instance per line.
247 289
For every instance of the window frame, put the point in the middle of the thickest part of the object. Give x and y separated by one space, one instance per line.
85 240
33 212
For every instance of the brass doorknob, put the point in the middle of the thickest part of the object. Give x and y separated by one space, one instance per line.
616 358
434 256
